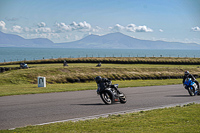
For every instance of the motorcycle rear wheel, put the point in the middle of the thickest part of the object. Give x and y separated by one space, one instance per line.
107 97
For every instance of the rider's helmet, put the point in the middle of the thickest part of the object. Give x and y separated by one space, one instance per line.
98 79
186 73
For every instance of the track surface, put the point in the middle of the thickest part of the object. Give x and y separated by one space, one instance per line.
23 110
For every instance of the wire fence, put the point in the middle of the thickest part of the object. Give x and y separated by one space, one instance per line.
87 55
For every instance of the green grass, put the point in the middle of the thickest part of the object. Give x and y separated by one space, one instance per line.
56 73
169 120
19 89
6 90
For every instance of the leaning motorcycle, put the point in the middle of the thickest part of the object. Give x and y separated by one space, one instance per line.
191 87
111 94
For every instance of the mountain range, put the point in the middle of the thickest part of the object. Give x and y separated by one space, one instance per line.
108 41
11 40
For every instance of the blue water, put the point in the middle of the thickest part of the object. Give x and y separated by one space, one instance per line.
20 54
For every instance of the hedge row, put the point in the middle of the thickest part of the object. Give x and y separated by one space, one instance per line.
119 60
77 80
3 69
70 80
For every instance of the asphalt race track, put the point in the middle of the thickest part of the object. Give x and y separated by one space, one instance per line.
24 110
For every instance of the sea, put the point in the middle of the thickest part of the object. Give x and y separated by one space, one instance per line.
10 54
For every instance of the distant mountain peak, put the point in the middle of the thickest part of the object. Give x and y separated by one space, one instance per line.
119 40
115 40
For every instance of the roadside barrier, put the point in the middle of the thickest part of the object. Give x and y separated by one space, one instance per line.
3 69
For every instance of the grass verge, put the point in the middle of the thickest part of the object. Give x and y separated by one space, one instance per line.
173 120
19 89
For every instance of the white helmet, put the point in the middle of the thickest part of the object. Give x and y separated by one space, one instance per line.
186 72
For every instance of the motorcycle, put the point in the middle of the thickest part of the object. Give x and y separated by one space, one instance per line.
191 87
110 93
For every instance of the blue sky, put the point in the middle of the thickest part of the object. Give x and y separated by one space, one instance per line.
70 20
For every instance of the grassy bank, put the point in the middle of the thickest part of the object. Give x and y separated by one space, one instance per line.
19 89
173 120
85 72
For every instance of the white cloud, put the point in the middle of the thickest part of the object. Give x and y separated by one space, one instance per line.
62 27
117 28
82 26
196 28
160 30
41 24
96 29
3 26
30 30
131 28
134 28
43 30
73 24
17 29
143 29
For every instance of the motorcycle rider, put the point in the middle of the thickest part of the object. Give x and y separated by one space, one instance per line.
102 83
188 75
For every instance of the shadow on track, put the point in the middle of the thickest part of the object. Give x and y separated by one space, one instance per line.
90 104
178 96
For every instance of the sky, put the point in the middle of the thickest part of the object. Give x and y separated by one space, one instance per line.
71 20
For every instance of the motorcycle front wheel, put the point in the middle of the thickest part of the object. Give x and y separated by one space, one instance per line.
191 91
107 97
122 99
